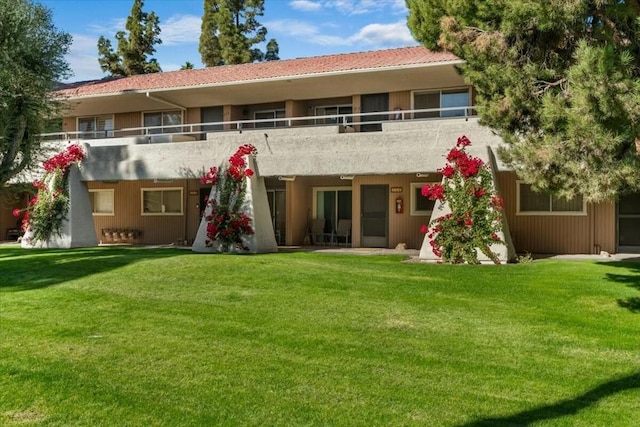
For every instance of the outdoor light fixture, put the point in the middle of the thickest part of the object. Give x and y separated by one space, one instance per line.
286 178
347 177
422 175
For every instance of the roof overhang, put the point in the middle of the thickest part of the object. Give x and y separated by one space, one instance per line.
298 87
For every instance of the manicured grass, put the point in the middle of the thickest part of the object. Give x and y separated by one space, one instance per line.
130 336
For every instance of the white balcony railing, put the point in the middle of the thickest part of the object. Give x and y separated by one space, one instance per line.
360 122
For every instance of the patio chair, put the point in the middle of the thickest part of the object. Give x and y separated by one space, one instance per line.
317 235
343 232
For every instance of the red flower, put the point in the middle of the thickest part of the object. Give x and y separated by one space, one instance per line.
463 141
496 202
17 212
454 154
433 192
448 171
480 192
248 173
424 229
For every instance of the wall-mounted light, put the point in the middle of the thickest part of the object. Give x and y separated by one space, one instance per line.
422 175
347 177
161 181
286 178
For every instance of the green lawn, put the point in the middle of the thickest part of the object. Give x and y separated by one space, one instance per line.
165 337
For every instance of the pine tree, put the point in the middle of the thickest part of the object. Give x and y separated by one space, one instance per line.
131 56
558 80
230 32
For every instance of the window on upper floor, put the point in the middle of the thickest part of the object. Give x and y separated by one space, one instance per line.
420 205
162 201
95 127
330 110
445 102
101 201
163 118
534 203
270 114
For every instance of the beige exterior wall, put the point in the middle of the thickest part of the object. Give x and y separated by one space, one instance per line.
552 234
402 227
154 229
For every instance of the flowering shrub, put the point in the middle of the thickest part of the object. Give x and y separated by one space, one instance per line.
49 207
475 218
226 223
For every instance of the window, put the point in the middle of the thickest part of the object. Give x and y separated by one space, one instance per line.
332 204
420 205
333 110
95 127
162 201
163 118
270 114
442 99
101 202
534 203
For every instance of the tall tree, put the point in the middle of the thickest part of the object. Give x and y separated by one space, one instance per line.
131 56
558 80
230 33
32 61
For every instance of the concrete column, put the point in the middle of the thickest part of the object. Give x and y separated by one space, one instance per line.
256 206
78 229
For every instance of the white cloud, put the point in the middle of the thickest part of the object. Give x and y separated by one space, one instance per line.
180 29
362 7
292 27
305 5
384 35
83 58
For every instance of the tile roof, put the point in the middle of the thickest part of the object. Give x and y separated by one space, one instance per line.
315 65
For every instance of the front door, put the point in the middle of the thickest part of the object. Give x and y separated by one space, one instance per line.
374 213
629 223
374 103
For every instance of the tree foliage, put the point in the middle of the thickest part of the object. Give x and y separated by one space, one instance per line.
133 49
32 61
559 80
231 32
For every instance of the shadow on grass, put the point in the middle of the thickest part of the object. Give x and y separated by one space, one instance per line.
565 407
632 280
27 269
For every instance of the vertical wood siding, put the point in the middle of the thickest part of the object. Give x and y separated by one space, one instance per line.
128 120
557 234
127 213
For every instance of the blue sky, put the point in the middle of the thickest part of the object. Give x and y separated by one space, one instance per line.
301 27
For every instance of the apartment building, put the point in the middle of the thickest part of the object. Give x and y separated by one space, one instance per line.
341 139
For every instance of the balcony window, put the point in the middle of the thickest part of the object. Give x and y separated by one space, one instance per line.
442 99
337 110
162 201
95 127
535 203
163 118
270 114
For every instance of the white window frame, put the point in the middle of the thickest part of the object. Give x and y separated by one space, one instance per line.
550 212
277 121
142 191
337 107
315 196
108 133
113 208
439 92
163 130
413 211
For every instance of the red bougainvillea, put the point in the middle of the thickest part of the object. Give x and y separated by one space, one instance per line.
475 218
227 224
48 208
